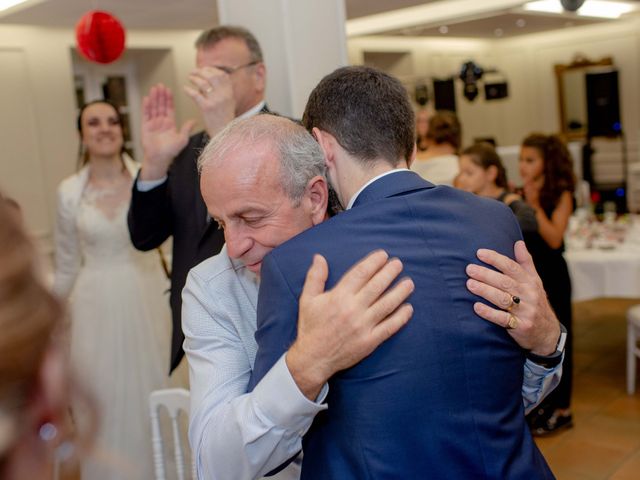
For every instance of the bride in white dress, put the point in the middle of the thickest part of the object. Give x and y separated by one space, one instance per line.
120 320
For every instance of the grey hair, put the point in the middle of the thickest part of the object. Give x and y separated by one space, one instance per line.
209 38
300 156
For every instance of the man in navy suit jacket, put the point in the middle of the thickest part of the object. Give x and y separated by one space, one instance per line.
441 398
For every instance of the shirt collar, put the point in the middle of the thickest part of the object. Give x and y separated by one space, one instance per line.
253 110
355 197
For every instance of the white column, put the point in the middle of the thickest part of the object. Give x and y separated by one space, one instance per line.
302 41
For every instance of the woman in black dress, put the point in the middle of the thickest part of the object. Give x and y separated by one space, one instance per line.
546 169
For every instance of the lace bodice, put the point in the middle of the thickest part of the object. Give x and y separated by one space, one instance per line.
102 226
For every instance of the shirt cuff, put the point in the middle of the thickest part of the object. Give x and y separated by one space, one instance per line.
278 398
536 368
146 185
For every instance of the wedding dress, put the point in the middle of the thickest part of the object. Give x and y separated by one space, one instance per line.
120 325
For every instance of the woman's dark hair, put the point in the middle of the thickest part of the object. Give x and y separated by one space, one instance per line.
484 155
558 167
444 127
83 156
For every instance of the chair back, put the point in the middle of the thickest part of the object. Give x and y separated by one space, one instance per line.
174 400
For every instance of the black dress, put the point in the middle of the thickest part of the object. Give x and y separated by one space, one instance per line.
553 271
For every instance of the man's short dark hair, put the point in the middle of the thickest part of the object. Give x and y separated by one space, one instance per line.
444 127
367 111
210 37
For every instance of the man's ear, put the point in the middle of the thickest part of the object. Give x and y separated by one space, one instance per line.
260 72
317 196
327 144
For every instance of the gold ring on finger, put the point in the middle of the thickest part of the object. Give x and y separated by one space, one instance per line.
512 322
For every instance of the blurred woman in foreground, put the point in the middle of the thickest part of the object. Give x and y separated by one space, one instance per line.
35 384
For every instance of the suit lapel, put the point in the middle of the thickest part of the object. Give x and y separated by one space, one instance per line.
396 183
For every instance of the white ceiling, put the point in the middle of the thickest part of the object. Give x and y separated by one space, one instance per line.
199 14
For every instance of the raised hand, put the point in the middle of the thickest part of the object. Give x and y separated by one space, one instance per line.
536 326
161 140
340 327
212 91
531 192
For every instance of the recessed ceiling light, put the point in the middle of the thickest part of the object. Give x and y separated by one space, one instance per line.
443 29
521 22
547 6
590 8
598 8
498 32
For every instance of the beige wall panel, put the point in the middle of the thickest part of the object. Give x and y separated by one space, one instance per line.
22 175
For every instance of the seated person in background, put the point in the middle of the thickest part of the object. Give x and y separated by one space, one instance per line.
35 383
439 163
482 173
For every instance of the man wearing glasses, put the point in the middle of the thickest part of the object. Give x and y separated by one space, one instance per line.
228 82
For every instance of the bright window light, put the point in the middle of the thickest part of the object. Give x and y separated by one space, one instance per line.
590 8
7 4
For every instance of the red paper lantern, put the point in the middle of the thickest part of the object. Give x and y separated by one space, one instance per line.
100 37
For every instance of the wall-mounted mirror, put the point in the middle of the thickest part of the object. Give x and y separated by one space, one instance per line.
572 94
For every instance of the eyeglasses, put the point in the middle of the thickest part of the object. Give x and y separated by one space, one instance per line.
230 70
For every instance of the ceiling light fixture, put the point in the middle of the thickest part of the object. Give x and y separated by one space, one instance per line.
11 6
546 6
601 9
7 4
591 8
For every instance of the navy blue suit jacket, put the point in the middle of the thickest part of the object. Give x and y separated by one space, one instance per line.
442 398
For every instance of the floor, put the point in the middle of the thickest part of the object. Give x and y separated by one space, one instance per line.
604 443
605 440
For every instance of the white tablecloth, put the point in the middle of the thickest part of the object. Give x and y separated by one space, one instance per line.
603 257
604 273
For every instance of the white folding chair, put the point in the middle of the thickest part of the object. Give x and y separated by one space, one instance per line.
633 351
174 400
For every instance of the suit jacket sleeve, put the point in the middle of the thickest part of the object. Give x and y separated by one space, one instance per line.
150 216
67 245
277 319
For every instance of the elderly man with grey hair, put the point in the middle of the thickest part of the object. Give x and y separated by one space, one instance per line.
263 181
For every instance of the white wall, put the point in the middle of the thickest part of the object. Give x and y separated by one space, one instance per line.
37 121
527 63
